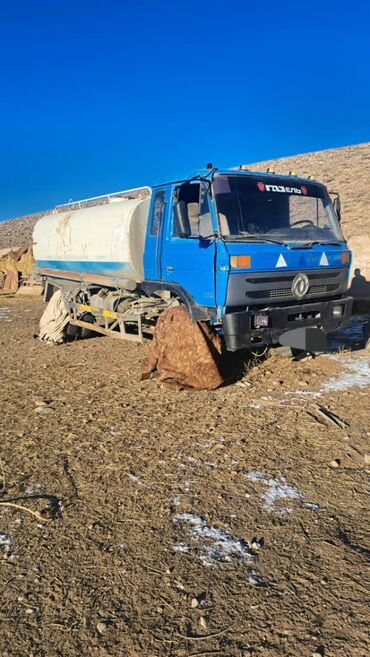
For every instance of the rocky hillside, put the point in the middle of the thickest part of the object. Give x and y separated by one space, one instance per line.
18 232
344 170
347 171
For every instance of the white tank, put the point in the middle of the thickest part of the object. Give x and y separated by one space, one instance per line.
104 240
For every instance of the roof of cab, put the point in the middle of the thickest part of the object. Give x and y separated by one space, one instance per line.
207 173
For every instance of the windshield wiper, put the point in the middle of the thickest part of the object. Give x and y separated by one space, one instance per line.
305 245
250 238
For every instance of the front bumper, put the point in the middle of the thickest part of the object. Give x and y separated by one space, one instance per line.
240 330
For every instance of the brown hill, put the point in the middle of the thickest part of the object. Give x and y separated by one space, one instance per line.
347 171
344 170
18 232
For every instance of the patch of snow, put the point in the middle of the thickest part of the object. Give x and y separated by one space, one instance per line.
181 547
33 488
303 393
5 314
254 475
219 545
278 489
134 478
5 543
357 374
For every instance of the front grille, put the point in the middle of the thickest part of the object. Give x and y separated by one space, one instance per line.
259 288
286 293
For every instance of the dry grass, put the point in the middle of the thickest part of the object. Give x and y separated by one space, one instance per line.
114 463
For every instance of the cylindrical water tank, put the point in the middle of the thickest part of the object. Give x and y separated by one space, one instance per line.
104 240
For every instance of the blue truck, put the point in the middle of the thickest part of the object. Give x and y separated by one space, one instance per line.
258 256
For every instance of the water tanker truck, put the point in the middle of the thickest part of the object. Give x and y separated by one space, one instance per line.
259 257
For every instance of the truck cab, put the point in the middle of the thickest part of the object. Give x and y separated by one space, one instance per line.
257 255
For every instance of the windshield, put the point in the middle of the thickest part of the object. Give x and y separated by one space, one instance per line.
258 207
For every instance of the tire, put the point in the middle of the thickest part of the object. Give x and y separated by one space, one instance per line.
87 333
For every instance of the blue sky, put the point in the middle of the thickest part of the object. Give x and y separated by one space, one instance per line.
99 96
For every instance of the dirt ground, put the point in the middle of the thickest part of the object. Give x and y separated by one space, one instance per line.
231 522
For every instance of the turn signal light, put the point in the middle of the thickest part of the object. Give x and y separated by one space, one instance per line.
240 262
345 257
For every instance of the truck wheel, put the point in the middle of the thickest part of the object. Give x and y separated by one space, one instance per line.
87 333
71 332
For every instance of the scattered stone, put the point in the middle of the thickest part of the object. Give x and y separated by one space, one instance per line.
256 543
42 409
101 627
283 352
194 603
203 622
335 463
319 652
367 458
243 384
255 578
41 402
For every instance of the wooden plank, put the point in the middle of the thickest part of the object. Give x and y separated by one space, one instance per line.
100 329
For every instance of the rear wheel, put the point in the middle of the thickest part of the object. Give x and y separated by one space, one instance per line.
85 332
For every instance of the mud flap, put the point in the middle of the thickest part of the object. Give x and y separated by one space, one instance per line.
306 338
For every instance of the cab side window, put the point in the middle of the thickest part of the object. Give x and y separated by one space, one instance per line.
189 196
157 212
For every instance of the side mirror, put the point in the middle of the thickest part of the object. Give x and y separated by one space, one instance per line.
182 219
336 205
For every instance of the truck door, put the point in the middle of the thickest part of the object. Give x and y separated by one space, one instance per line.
153 241
189 261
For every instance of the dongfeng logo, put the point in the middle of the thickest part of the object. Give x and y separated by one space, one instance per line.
300 286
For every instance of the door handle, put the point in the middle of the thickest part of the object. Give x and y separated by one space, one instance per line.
169 268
